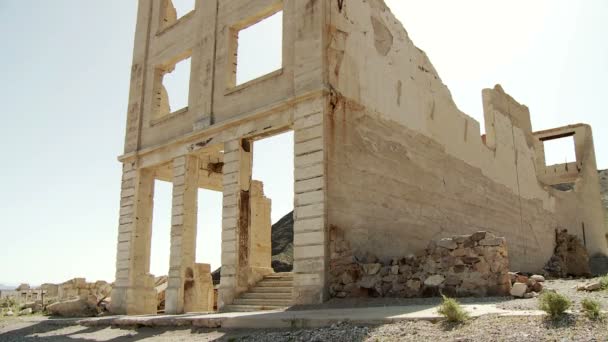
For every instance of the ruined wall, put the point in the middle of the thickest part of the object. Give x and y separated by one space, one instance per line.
604 192
393 190
406 166
463 265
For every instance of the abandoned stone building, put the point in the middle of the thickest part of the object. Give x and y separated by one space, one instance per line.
383 157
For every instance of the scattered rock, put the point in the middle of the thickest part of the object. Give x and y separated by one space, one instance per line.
595 286
72 308
434 281
537 287
538 278
519 290
521 279
25 312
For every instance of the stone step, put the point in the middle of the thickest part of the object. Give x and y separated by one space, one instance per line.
275 283
249 308
263 302
267 295
280 276
286 289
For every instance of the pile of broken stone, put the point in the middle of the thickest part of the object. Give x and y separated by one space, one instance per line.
77 298
464 265
523 286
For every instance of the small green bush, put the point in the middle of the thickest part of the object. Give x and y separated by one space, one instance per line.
451 309
604 282
591 308
554 304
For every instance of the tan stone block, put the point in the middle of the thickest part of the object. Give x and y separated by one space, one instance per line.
230 200
309 185
308 147
309 265
128 210
308 279
309 211
179 161
309 198
126 219
309 172
309 238
231 145
127 192
306 225
308 252
127 201
309 159
229 212
232 157
229 235
228 258
231 178
308 121
307 134
229 223
231 167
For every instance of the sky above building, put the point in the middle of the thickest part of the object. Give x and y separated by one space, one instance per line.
64 98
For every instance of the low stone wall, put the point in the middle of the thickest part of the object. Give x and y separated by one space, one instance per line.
467 265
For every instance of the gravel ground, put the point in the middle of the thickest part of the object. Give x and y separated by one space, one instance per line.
488 328
567 287
573 327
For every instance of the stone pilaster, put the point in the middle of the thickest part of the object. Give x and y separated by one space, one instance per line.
235 219
183 231
133 292
310 232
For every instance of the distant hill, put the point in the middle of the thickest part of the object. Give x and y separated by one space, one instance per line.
282 247
7 287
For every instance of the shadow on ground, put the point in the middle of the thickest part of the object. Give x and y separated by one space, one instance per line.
55 331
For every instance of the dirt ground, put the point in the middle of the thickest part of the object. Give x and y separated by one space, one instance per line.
488 328
573 327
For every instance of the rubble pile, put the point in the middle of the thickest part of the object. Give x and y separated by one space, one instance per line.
464 265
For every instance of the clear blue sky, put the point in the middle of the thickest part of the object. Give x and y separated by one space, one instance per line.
66 80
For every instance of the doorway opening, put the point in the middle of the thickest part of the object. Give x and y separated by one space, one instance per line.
273 167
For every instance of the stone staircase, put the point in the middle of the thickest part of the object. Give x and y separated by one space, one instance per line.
271 293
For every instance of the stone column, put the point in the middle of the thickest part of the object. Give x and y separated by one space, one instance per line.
183 232
235 219
133 292
310 233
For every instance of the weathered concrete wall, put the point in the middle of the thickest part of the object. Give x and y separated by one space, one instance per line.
406 166
604 192
392 190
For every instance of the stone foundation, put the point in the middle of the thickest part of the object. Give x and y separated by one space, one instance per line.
465 265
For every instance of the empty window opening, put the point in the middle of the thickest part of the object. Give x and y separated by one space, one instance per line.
173 10
161 228
209 228
273 166
173 88
259 49
183 7
559 151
